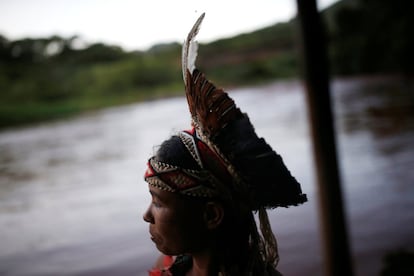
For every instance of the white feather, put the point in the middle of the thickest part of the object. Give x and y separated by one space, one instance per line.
190 48
192 56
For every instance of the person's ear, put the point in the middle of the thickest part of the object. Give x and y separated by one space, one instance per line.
213 214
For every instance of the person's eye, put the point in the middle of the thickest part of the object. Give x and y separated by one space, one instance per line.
156 204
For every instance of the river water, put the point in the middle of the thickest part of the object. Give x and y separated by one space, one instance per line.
72 192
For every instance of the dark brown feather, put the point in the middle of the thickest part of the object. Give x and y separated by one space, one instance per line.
211 108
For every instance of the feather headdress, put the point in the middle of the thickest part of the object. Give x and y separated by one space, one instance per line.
256 168
234 164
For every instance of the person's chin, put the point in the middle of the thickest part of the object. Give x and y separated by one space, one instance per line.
167 251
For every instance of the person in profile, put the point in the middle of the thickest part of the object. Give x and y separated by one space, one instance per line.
208 183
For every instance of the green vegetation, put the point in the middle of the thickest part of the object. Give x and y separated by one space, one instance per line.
50 78
266 54
37 85
371 36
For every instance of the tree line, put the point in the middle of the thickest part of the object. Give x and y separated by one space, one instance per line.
52 77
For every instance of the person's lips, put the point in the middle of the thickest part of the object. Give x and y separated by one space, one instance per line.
153 237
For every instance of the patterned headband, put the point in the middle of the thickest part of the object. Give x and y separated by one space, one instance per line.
211 180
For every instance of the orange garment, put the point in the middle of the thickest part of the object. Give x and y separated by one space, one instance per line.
166 263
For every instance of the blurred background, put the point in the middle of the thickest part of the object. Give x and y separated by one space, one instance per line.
88 89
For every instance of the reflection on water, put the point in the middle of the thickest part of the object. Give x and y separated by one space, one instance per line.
72 194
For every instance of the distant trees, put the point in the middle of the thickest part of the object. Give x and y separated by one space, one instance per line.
51 77
47 77
41 49
372 36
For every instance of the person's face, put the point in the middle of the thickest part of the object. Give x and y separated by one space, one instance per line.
176 223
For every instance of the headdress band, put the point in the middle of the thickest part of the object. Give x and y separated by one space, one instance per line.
211 180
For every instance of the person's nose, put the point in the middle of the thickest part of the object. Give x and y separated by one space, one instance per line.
148 217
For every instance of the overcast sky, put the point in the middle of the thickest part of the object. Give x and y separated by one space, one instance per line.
136 24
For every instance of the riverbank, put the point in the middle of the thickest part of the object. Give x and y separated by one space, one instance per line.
28 113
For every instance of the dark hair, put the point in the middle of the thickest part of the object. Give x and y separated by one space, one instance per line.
174 152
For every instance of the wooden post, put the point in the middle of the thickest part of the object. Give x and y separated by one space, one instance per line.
334 234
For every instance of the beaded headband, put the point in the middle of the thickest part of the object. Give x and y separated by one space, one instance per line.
209 181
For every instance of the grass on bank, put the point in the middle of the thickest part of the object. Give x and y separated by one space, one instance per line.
34 112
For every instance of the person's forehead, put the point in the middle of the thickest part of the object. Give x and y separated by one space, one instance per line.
171 198
165 196
159 193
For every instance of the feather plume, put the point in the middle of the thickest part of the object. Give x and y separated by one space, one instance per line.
211 108
259 172
190 48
